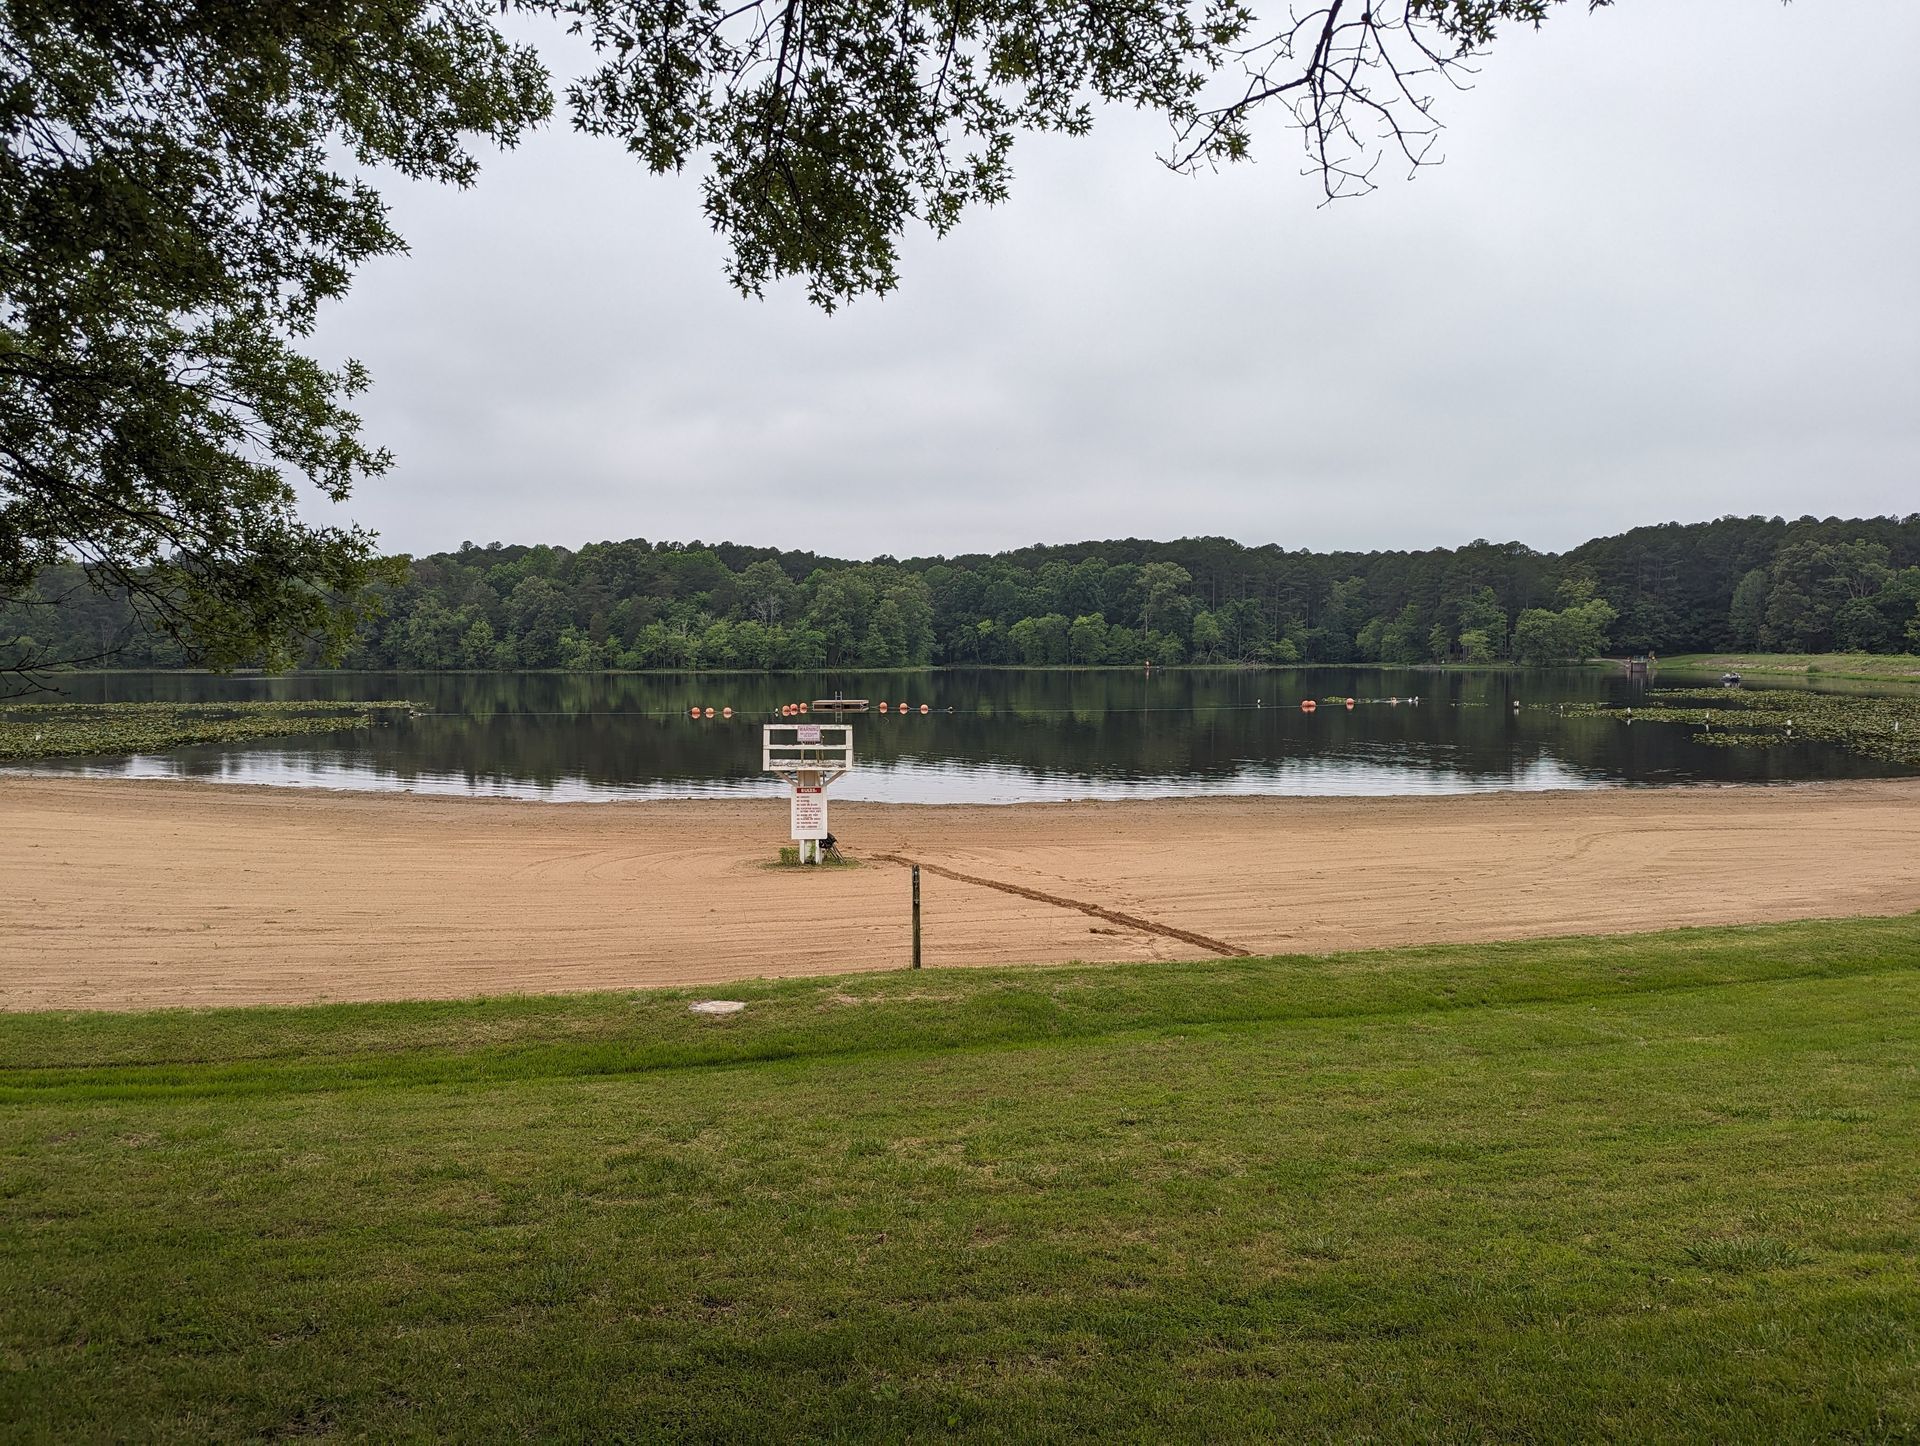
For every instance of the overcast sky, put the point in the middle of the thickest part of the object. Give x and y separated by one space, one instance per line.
1668 271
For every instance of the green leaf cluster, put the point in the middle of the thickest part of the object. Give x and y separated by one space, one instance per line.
176 204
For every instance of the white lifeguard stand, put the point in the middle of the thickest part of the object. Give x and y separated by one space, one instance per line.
809 756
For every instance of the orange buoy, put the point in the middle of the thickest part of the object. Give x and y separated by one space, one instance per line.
726 712
802 707
1308 706
1349 703
694 711
903 709
883 707
709 712
925 709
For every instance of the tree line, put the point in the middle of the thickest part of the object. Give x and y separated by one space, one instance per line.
1811 585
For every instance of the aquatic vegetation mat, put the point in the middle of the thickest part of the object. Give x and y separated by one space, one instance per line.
67 730
1886 729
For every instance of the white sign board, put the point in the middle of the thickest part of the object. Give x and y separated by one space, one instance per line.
795 748
809 812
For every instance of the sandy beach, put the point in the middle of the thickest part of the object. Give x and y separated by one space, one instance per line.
133 894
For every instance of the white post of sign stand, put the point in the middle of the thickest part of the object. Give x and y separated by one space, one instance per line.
809 756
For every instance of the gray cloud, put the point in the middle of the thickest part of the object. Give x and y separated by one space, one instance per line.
1665 272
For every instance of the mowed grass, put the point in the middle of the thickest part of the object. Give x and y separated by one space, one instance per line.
1897 667
1655 1187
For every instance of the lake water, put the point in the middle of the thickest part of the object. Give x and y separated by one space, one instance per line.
992 736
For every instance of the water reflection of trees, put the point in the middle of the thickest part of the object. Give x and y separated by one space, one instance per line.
615 730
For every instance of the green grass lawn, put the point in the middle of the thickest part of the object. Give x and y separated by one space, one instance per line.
1640 1188
1889 667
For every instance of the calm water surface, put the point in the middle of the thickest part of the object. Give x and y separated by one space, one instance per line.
993 736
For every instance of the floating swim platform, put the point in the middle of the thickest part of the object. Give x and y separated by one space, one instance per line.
839 705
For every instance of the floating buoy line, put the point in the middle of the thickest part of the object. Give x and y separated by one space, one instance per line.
726 712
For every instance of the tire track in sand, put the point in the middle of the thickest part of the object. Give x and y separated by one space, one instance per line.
1112 916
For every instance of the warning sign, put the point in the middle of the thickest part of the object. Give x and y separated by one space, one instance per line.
806 733
809 812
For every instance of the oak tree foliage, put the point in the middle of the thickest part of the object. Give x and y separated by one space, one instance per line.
177 199
823 128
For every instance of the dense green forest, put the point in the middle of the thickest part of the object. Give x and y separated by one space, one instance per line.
1742 582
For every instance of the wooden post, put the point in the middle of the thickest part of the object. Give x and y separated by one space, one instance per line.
916 916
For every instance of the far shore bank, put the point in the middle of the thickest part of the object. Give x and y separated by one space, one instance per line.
1847 667
129 894
1814 667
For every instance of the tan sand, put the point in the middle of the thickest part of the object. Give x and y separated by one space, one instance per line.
118 894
